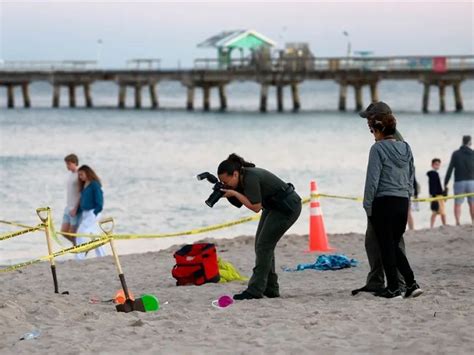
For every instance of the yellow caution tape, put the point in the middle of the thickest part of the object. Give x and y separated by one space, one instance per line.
428 199
359 199
17 224
77 235
103 240
189 232
54 234
438 198
18 233
75 249
222 225
241 221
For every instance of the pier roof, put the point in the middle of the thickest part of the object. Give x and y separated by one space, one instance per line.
238 39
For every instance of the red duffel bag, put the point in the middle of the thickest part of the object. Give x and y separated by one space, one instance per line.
196 264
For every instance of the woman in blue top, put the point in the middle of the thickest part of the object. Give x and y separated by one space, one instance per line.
90 206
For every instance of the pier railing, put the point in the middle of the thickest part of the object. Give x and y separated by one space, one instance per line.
286 71
48 65
144 63
406 63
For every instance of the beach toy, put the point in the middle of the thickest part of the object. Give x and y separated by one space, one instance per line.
223 301
318 240
150 302
120 297
129 305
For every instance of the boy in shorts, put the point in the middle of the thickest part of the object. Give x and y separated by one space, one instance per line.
73 194
437 207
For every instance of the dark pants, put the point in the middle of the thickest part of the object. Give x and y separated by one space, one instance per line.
389 219
272 226
375 277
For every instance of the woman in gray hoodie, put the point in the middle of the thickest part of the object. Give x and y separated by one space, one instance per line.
388 187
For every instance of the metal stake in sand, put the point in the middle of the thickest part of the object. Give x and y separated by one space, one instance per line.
47 221
129 305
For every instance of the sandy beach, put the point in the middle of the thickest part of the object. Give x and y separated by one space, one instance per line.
316 313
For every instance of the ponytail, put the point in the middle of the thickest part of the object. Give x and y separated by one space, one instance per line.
233 163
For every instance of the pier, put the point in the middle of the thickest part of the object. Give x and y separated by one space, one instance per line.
441 72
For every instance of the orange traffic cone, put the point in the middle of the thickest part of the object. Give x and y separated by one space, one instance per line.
318 240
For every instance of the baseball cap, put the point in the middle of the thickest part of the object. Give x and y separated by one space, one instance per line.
375 108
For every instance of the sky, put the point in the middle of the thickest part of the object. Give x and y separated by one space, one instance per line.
59 30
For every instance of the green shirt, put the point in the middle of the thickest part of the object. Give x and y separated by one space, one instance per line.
259 184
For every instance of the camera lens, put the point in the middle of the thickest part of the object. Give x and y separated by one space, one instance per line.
214 197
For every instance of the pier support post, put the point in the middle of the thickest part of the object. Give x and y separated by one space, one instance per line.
87 95
374 92
56 95
10 96
426 97
458 97
26 95
222 97
190 99
442 97
138 96
263 97
206 97
342 96
358 97
280 98
122 95
153 96
72 95
296 97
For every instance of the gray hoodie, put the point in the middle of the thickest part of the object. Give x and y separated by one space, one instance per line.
390 172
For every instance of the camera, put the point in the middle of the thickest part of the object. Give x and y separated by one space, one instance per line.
216 193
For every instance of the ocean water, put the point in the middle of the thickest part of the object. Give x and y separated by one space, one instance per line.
148 159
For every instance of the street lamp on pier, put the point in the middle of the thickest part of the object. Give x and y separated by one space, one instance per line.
346 34
99 48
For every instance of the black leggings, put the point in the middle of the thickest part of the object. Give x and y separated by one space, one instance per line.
389 219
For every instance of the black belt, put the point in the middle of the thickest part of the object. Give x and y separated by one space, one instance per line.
275 201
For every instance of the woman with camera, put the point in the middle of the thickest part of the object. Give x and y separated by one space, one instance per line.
258 189
388 187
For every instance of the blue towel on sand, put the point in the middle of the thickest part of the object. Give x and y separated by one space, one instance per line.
327 262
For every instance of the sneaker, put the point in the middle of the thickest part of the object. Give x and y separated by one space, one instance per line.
245 295
367 289
271 294
387 293
413 291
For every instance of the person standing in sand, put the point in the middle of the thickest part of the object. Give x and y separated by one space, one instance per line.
462 162
70 216
437 207
90 205
258 189
375 278
413 206
388 188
